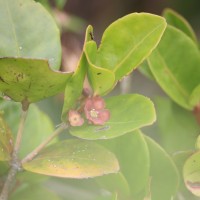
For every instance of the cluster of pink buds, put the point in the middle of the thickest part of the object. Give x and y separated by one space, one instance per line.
94 110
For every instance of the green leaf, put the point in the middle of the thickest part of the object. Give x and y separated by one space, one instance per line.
177 127
74 159
115 183
178 21
176 64
101 80
195 96
6 140
29 31
74 86
38 125
30 80
132 152
11 112
128 112
33 192
191 173
128 41
163 172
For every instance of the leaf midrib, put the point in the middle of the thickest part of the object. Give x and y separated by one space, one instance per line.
136 46
173 78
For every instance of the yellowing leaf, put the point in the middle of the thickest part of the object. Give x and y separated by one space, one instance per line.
74 159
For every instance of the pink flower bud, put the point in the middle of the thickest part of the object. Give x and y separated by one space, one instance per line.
75 118
95 111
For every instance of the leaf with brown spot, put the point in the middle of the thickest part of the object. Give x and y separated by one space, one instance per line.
30 79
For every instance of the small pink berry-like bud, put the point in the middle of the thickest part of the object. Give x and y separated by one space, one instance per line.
75 118
98 103
95 111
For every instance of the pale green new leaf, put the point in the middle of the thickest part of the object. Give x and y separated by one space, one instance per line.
128 41
74 86
102 80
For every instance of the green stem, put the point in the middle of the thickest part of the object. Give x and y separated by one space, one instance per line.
15 163
31 155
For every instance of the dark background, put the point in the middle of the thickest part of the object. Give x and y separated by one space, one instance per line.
100 13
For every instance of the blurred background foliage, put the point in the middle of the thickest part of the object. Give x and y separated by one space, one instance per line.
73 16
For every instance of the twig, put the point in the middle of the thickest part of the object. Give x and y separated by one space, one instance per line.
20 132
7 185
15 163
31 155
125 85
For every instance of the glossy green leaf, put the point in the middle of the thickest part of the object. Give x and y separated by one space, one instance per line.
6 140
101 80
30 80
128 112
128 41
33 192
132 152
38 125
195 96
74 86
191 173
163 173
178 21
176 64
177 127
74 159
115 183
29 31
